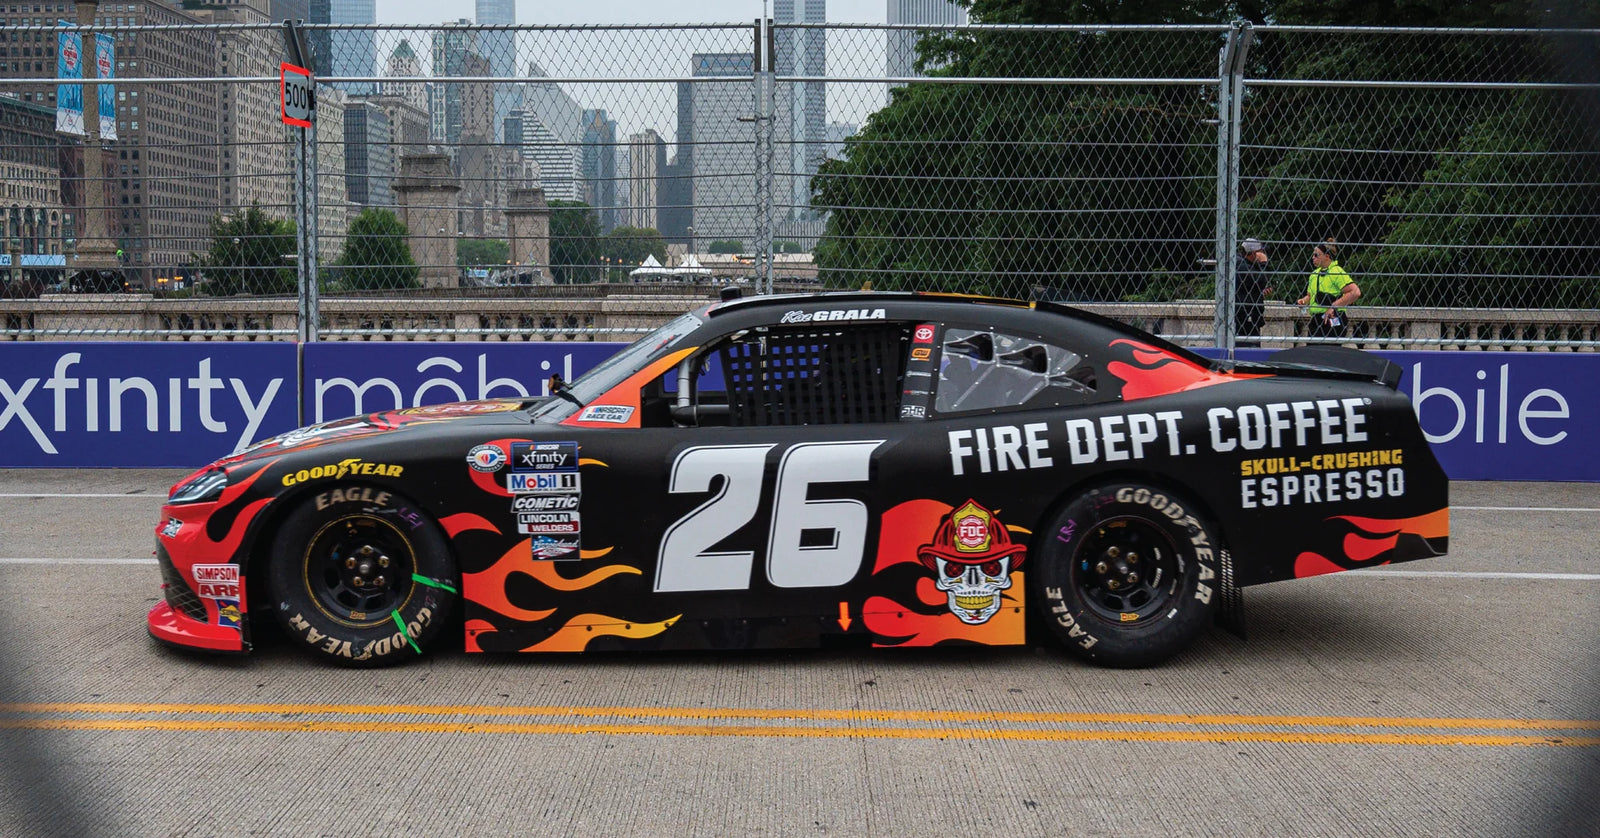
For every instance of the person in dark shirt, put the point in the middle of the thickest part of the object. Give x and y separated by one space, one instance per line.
1251 288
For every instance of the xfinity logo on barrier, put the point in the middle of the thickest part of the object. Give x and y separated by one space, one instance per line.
78 403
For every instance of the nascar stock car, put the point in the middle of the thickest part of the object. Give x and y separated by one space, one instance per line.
875 469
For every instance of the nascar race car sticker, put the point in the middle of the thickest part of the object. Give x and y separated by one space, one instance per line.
615 414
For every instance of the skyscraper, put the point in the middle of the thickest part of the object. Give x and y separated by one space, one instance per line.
716 133
801 52
903 44
450 48
501 50
647 162
353 52
600 166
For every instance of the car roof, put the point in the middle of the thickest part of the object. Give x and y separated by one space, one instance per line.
941 302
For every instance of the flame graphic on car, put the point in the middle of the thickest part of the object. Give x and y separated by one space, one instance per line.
227 523
1369 541
928 620
1146 371
491 589
581 630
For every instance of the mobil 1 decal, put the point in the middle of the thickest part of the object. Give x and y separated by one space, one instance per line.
1291 453
545 489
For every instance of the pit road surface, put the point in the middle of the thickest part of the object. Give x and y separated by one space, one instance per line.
1446 697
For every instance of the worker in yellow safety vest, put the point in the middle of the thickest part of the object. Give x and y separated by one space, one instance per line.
1328 291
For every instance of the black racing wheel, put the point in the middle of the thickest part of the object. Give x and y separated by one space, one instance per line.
360 577
1128 574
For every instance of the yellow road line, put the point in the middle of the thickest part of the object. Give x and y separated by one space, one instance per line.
786 731
952 717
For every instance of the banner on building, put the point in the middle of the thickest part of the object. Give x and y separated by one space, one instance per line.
105 67
69 97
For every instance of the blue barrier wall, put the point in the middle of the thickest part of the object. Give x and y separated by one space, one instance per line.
141 404
1490 416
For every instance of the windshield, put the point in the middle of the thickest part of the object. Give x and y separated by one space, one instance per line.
611 372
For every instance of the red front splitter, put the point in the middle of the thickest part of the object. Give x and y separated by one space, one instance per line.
169 626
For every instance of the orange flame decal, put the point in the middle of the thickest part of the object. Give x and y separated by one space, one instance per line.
488 587
1372 539
576 635
1155 372
462 522
547 574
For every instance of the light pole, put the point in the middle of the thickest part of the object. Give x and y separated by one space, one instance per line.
95 250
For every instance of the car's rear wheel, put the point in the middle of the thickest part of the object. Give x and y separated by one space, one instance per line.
360 577
1128 574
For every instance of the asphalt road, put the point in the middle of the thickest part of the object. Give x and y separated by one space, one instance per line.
1452 697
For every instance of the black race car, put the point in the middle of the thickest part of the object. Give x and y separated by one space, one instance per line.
831 469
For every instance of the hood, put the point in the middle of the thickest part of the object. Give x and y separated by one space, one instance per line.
488 412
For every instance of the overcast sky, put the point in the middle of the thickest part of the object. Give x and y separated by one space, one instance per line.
622 11
653 106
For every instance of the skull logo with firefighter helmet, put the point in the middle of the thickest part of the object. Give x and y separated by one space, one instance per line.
972 556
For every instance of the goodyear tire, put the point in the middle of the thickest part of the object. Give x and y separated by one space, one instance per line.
1128 575
360 577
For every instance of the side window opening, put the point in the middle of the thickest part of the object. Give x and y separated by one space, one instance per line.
801 376
982 370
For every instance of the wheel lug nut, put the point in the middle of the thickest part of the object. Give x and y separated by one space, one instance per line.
350 562
357 582
1101 568
383 561
1112 584
1133 558
1133 579
378 581
1114 552
366 549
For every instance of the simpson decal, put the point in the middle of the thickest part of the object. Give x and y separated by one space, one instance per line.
217 581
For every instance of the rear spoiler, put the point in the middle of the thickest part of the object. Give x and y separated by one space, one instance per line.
1344 359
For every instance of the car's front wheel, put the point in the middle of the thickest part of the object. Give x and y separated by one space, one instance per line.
1129 574
361 577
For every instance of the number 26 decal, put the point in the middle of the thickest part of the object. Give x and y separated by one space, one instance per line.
686 561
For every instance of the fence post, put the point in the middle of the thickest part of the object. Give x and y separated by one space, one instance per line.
1230 89
305 185
766 94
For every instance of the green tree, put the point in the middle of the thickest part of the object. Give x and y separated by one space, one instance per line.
628 246
482 253
725 246
247 255
574 242
376 255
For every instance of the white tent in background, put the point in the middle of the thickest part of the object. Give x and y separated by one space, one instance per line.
690 269
649 270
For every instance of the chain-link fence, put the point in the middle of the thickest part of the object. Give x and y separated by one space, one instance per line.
527 182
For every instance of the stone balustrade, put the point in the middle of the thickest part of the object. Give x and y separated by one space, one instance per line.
593 312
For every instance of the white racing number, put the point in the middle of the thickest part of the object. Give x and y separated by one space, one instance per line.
686 562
